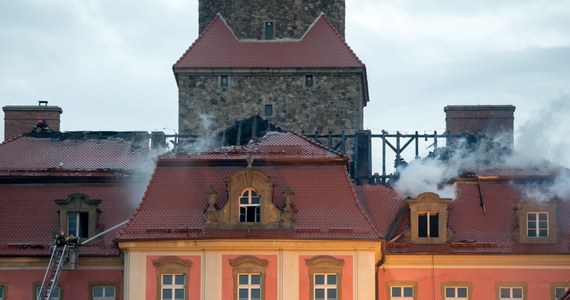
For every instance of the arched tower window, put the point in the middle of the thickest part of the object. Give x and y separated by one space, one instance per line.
249 206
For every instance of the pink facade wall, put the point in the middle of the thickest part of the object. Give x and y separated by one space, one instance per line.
20 284
194 277
483 281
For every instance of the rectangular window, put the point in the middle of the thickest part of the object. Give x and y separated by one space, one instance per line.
268 110
78 224
55 294
428 225
268 30
104 292
224 80
173 287
249 286
309 80
455 292
402 292
1 293
511 293
325 287
559 292
537 224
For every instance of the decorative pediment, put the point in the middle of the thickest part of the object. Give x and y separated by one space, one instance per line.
250 203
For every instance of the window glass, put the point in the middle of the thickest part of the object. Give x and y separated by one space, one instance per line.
309 80
325 287
103 293
250 205
249 286
402 292
224 80
173 286
268 30
428 225
268 110
1 293
537 224
559 292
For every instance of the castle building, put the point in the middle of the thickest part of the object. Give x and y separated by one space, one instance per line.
274 215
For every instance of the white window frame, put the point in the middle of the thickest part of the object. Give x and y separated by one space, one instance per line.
456 292
173 286
428 214
104 290
249 205
402 289
536 228
511 296
250 286
326 286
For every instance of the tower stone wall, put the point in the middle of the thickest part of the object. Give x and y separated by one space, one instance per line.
333 103
291 18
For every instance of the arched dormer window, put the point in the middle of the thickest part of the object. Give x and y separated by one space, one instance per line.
249 206
250 203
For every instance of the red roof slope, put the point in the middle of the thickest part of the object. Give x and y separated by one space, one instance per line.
474 230
36 171
29 214
320 47
325 200
39 154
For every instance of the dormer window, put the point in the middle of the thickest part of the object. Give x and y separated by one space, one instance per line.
249 206
78 215
269 30
428 219
249 203
537 223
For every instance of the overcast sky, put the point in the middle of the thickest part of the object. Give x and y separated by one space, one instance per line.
108 64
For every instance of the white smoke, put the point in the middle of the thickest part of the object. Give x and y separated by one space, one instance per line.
541 148
543 142
206 139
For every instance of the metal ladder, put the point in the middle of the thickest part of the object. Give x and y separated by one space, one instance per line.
53 271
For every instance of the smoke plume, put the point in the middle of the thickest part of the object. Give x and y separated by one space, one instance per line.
541 147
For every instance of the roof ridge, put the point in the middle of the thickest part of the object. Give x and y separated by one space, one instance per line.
205 32
135 213
12 138
361 205
326 20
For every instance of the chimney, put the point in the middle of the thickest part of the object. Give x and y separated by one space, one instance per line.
494 121
19 119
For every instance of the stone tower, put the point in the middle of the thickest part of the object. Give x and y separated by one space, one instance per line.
286 61
287 18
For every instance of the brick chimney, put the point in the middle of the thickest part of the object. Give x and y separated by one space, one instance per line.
494 121
19 119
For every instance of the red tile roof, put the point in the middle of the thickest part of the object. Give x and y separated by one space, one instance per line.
29 214
320 47
31 179
40 154
325 200
474 230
